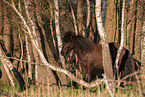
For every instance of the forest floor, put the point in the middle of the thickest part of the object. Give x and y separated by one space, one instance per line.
78 91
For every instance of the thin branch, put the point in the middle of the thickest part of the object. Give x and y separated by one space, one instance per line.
21 44
107 85
139 86
122 88
88 13
74 19
23 60
132 74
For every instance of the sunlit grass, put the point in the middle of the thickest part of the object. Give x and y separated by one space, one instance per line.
49 91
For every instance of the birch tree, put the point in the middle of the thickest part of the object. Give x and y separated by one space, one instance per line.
58 32
122 40
110 20
138 29
3 59
107 64
74 19
130 27
9 66
87 14
80 16
143 51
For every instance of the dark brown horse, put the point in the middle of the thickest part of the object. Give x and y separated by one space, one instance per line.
90 55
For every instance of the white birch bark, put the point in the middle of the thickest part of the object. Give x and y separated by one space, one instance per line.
7 65
88 13
107 85
58 32
28 57
74 19
143 48
51 27
107 64
27 44
122 38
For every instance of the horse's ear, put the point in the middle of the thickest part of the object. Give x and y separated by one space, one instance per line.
68 36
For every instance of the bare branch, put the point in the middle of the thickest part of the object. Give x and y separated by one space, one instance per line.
107 85
88 13
74 19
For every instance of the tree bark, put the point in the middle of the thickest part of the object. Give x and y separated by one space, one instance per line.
87 14
122 42
110 21
139 22
6 31
107 64
74 19
130 25
143 51
4 62
7 63
80 16
59 41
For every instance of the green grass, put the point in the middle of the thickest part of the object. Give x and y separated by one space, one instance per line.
45 91
77 91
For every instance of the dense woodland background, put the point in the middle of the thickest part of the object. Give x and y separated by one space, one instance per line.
74 15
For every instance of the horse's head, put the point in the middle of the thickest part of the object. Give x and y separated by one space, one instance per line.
68 43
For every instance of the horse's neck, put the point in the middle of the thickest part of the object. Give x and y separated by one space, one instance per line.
79 52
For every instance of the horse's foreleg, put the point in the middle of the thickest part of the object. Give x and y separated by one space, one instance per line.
89 73
84 71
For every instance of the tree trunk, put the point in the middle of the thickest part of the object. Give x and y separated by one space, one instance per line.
41 73
143 50
59 41
139 22
6 32
110 21
80 16
74 19
119 52
1 19
8 66
130 25
107 64
87 14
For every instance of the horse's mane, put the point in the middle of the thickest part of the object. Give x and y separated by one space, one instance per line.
81 42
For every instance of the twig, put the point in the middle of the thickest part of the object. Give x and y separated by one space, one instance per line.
74 19
139 86
127 89
23 60
107 85
132 74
